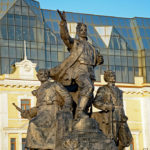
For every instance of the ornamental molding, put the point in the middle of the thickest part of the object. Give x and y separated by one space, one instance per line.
19 83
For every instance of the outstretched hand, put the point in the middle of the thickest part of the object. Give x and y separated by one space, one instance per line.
62 15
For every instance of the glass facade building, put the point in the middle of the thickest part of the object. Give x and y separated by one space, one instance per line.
124 42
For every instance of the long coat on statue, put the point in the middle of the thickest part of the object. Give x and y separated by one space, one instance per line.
51 96
112 122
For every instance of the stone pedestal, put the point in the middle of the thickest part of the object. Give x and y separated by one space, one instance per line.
85 135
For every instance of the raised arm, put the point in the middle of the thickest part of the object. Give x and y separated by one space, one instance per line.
64 30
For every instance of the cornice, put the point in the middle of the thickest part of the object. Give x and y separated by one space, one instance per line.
19 83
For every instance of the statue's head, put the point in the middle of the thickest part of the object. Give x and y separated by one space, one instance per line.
81 30
109 76
43 75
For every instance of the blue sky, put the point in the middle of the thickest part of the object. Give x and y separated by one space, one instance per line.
118 8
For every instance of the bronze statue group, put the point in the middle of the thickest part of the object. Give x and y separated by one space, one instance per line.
62 118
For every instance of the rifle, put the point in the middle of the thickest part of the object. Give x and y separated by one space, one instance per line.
19 109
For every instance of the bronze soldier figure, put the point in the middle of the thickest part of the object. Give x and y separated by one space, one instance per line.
52 97
112 119
79 66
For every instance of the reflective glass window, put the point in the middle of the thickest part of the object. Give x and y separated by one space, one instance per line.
115 21
148 74
48 56
41 55
69 17
20 44
40 35
34 45
59 40
124 74
123 61
25 33
60 48
139 22
48 65
4 20
122 22
136 63
32 35
53 15
105 59
4 8
103 20
147 61
131 74
28 53
116 43
117 60
112 68
53 47
46 14
18 10
88 19
118 74
11 43
5 65
19 52
11 33
3 32
142 32
130 61
126 22
96 20
147 32
125 33
109 21
25 20
54 56
48 47
100 43
18 20
111 60
53 39
10 19
133 44
130 53
25 10
82 18
136 71
18 34
32 21
75 17
130 33
33 54
41 64
13 144
54 64
91 29
41 46
12 52
145 22
146 44
55 26
4 52
103 68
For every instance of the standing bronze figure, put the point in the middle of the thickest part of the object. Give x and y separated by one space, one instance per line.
79 66
52 97
112 118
